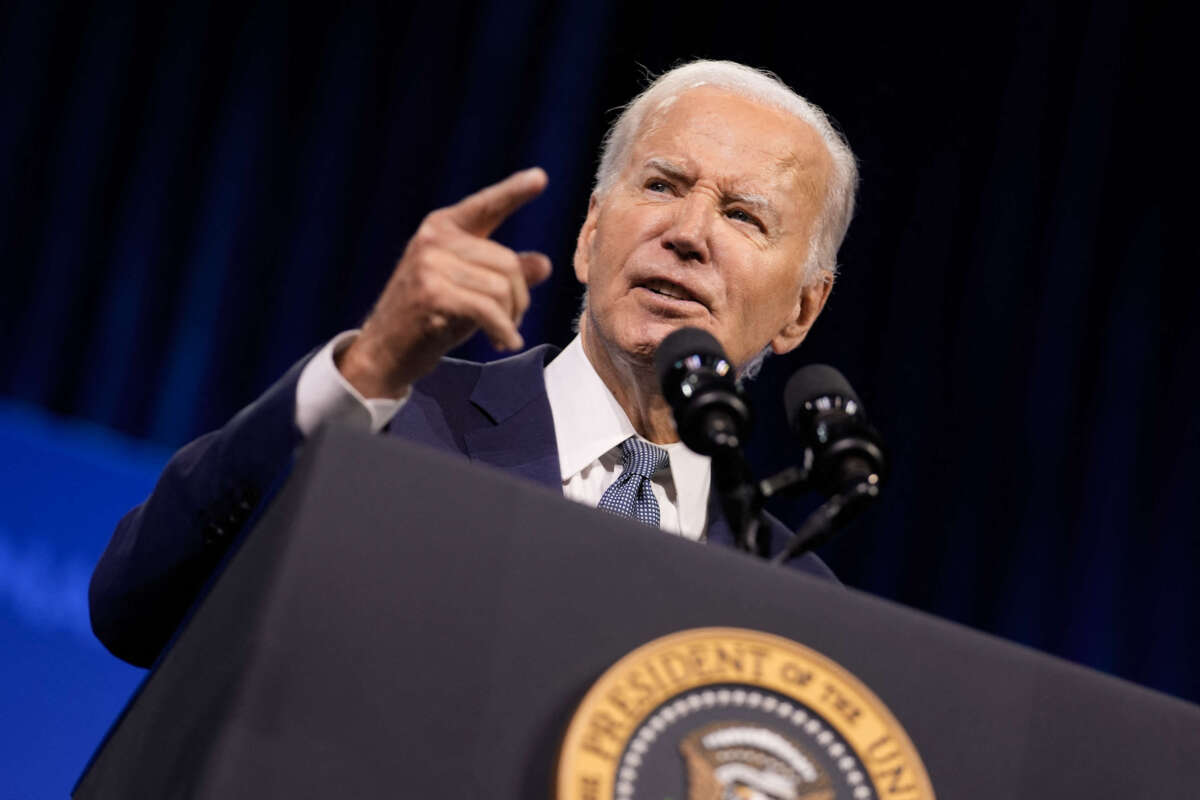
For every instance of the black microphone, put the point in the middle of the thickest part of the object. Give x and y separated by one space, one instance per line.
847 464
712 418
698 382
828 418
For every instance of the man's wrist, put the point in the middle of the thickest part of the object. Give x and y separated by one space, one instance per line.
324 394
363 370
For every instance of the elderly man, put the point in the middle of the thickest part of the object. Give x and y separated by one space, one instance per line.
720 203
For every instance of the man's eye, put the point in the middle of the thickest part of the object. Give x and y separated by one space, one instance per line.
741 216
658 185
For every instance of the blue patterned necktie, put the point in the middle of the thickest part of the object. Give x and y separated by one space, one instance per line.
631 495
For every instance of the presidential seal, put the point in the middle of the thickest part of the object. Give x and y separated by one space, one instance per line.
728 713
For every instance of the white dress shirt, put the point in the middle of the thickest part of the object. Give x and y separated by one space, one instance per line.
589 426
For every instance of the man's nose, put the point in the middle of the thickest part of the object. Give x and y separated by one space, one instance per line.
688 233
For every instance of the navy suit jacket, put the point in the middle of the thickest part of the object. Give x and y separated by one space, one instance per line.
164 551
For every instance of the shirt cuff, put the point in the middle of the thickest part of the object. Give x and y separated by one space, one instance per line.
323 395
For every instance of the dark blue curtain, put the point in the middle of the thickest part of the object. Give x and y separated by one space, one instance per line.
194 196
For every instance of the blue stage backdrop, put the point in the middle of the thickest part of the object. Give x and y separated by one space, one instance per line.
194 195
63 485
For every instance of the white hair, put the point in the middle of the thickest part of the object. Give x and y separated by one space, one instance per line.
763 87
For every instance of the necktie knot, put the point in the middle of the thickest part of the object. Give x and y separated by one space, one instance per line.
642 458
631 494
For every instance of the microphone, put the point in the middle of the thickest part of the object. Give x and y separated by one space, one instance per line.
712 418
698 382
825 414
845 453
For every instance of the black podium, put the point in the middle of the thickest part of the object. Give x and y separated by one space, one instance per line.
401 623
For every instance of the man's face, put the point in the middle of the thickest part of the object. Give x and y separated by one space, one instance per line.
707 226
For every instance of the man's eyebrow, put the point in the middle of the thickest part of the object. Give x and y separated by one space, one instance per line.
756 201
676 171
671 169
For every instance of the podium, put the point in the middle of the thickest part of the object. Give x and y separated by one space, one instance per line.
401 623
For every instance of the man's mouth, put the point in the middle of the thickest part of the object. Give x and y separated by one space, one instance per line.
665 288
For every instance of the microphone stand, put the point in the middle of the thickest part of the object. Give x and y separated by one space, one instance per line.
830 516
740 499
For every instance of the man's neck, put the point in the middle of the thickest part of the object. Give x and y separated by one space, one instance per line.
635 386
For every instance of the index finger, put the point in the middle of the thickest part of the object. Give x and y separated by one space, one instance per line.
482 212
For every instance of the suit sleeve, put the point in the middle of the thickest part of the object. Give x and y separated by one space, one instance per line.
164 551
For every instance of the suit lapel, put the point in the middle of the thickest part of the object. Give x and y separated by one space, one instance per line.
521 440
719 531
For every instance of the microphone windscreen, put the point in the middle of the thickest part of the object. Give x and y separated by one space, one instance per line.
681 344
811 382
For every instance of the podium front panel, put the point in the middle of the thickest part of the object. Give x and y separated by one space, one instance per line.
403 623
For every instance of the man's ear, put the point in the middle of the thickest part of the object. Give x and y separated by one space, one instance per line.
583 243
808 307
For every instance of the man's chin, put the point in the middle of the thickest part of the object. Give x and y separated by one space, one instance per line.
642 343
635 338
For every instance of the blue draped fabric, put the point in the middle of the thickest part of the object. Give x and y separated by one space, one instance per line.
195 195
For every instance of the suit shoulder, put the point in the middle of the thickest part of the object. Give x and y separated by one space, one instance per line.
459 396
452 381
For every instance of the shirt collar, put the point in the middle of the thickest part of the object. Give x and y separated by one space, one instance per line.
588 422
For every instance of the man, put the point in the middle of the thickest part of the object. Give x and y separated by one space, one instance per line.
720 202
